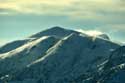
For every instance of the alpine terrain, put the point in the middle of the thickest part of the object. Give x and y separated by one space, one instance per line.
59 55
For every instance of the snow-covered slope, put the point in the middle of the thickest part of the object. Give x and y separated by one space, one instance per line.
13 45
25 54
56 55
54 31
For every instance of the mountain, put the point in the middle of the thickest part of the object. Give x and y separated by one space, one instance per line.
112 71
54 31
59 55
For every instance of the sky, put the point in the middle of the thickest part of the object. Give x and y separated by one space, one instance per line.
22 18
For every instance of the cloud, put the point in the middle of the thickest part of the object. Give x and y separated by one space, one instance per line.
35 7
99 11
116 31
117 26
109 13
76 8
90 32
112 28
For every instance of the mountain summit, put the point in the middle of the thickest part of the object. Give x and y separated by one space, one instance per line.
59 55
54 31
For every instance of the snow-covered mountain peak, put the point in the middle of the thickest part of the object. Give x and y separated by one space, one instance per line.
56 28
54 31
57 55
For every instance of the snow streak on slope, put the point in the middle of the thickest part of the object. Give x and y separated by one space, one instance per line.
13 45
25 54
113 70
28 45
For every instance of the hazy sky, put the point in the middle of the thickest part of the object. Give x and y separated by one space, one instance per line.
21 18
